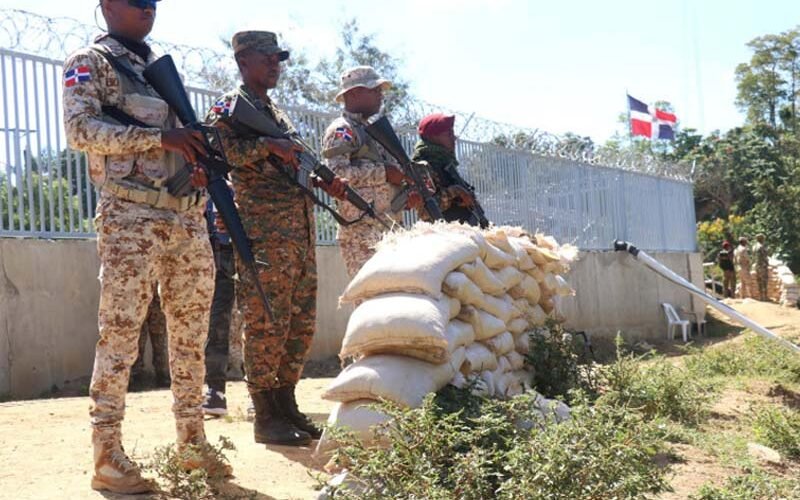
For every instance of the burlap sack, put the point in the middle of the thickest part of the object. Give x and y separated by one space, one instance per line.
414 263
399 323
405 381
482 276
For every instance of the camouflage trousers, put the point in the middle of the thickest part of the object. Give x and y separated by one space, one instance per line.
154 328
139 246
746 285
357 243
762 279
285 246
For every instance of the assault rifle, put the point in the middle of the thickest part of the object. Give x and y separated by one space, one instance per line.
382 131
163 76
246 119
477 215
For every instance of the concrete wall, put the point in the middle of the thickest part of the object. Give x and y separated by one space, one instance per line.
49 297
617 293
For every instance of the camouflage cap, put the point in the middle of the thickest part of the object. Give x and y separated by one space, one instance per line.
361 76
265 42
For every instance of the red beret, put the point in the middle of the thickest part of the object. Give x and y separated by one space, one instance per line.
435 124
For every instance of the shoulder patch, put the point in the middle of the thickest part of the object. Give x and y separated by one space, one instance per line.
345 133
77 75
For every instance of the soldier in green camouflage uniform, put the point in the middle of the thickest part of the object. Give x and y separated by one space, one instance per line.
761 266
279 219
353 154
144 235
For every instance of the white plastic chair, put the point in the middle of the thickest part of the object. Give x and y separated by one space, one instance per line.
673 321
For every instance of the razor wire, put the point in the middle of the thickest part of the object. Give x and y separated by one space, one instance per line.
56 37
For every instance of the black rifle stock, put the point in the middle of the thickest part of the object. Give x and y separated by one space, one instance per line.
163 76
245 118
382 131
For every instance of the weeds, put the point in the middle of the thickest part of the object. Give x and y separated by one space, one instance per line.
169 465
778 428
754 357
753 485
504 449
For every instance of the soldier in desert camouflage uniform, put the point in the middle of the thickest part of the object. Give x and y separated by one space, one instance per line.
741 260
353 154
144 235
279 219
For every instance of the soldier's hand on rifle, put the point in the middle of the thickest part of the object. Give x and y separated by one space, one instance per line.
394 175
284 149
466 199
187 142
336 188
415 200
199 177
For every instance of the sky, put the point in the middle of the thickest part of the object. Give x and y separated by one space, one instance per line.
557 66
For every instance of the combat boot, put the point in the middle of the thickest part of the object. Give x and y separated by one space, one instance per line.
196 453
271 426
114 471
286 400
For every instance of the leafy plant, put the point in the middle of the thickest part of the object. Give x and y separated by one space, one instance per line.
753 485
778 428
168 463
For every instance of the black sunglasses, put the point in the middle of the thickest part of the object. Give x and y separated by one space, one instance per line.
143 4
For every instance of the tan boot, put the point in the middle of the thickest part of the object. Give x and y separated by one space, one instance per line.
197 453
115 472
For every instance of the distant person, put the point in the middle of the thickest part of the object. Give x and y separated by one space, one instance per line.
741 260
761 267
154 328
725 261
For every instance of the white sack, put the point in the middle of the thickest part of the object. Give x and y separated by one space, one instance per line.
399 323
484 324
516 360
402 380
459 334
528 289
500 344
417 263
496 307
509 276
522 343
458 285
518 325
355 417
483 277
477 358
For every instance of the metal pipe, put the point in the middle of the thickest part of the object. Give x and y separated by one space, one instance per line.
641 256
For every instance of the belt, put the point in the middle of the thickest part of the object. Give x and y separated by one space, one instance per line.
155 198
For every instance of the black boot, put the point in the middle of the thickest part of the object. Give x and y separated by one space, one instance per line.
285 399
270 426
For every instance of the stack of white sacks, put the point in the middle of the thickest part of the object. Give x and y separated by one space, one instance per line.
782 286
444 304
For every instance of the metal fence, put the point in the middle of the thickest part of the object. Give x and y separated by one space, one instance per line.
45 190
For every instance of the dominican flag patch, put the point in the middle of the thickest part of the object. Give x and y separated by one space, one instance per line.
643 117
77 75
344 133
222 107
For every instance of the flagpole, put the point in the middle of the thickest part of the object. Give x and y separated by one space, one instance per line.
628 107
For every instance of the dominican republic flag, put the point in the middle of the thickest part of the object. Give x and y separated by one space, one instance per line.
643 117
343 133
77 75
222 107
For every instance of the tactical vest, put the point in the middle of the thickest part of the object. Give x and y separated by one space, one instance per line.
147 169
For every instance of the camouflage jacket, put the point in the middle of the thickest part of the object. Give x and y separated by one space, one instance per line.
352 154
116 151
741 257
762 257
261 189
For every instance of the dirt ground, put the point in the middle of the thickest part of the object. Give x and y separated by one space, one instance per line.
45 452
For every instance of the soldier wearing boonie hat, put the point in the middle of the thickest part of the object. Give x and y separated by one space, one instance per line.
350 152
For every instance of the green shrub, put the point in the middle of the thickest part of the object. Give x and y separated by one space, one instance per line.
754 485
484 449
657 388
167 463
778 428
554 358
